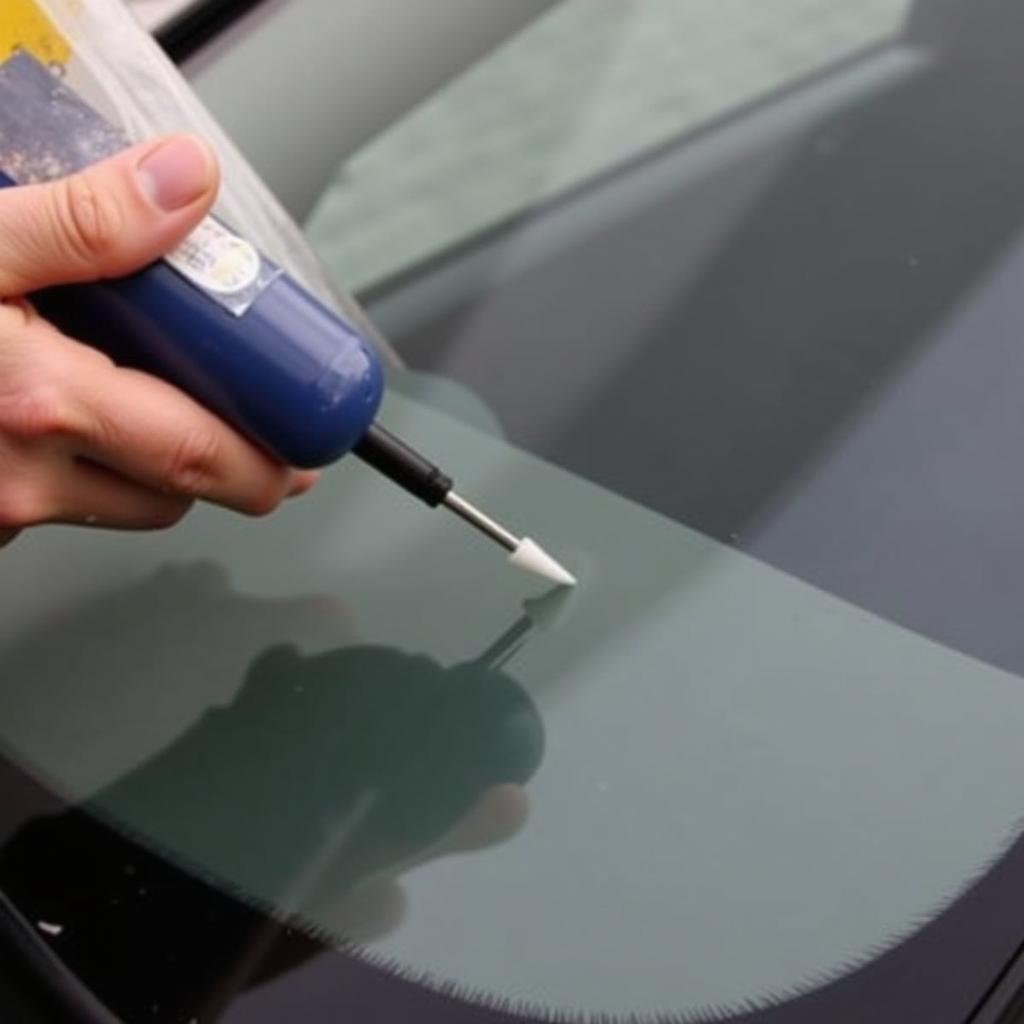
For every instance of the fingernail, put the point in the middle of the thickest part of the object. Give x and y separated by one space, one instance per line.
303 482
176 173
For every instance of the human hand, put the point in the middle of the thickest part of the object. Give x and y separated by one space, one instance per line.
82 440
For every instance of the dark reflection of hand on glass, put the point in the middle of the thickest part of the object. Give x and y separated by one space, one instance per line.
334 768
307 795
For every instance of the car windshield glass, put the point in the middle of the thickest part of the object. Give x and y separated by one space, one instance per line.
719 303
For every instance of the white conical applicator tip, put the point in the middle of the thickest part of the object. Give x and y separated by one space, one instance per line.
535 559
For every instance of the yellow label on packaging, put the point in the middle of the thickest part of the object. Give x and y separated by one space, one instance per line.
23 24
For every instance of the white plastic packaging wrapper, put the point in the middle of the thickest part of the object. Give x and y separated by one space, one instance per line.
106 56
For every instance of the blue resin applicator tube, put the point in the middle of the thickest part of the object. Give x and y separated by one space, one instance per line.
223 323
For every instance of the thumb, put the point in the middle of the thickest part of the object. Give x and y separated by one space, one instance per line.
107 220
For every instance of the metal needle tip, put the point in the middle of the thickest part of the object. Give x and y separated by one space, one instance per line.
525 554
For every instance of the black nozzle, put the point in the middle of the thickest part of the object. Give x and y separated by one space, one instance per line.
398 462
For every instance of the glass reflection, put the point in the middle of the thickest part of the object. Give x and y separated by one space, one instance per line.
307 795
577 94
796 332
